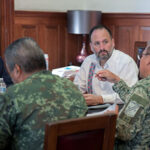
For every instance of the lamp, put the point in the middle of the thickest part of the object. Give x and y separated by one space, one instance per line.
80 22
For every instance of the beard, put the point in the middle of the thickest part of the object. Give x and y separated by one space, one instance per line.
105 56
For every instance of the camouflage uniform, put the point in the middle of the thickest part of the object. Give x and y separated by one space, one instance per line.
133 124
27 106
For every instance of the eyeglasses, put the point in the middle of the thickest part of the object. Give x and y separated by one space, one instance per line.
145 54
140 56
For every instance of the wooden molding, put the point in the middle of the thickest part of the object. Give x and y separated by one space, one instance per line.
126 15
6 23
39 14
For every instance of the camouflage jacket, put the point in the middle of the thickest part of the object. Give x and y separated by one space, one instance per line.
133 124
27 106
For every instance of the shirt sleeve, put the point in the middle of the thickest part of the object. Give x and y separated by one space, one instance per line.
121 91
129 73
80 78
111 98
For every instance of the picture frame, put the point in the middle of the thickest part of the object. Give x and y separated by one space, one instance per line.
139 48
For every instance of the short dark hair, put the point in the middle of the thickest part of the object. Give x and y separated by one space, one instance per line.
99 27
26 53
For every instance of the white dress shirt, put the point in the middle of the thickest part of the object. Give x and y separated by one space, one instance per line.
119 63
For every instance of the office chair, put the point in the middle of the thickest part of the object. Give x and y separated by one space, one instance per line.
89 133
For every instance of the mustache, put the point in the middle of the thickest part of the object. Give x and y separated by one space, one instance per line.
102 50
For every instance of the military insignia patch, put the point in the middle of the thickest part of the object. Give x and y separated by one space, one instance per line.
132 108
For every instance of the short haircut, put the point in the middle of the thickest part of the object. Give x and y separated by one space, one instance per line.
26 53
99 27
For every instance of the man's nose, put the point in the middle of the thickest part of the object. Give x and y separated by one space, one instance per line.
101 46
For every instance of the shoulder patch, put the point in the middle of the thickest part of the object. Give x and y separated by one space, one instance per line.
132 108
140 99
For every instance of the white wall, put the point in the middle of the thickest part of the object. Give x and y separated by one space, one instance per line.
133 6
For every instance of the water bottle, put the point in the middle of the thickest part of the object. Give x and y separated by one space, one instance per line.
46 60
2 86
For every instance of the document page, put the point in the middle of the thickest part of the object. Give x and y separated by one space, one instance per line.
110 108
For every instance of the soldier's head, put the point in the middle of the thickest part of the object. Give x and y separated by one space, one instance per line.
101 42
145 63
24 57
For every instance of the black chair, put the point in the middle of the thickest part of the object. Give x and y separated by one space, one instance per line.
89 133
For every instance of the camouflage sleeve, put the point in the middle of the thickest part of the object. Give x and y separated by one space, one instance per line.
122 89
131 117
5 128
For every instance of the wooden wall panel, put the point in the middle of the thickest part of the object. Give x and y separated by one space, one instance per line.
50 31
73 46
127 29
6 24
124 38
51 47
145 33
26 31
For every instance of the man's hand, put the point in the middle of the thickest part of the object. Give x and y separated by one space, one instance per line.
106 75
93 99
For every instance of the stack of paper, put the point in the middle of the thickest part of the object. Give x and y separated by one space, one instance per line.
67 71
111 108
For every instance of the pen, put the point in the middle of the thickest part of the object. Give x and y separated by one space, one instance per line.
102 78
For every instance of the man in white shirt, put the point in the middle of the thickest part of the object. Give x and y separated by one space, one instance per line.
105 57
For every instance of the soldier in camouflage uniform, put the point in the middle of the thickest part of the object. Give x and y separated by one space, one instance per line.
133 124
38 97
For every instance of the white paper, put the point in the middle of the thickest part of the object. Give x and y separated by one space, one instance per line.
66 71
99 106
110 108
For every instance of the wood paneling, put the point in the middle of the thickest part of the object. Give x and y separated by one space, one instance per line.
124 38
6 23
127 29
49 29
26 30
52 45
145 33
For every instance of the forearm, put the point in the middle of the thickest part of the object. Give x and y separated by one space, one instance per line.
122 89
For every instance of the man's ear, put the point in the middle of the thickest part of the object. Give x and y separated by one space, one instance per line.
18 70
113 43
91 47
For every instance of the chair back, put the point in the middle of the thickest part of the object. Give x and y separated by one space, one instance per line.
89 133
